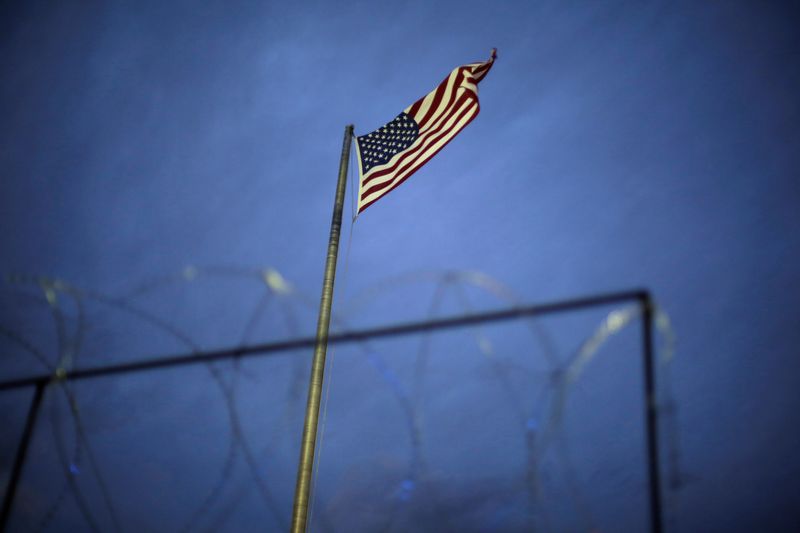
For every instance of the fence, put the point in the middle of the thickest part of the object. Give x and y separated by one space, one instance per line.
539 431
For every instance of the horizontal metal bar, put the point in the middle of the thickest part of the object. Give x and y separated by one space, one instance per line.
272 348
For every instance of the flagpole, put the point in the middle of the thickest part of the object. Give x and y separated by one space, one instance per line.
306 465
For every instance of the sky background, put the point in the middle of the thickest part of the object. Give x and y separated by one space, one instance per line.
174 165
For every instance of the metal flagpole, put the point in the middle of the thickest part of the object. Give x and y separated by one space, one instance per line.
306 465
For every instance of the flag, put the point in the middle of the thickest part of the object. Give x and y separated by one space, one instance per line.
393 152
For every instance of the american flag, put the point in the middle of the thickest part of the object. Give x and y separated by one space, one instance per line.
393 152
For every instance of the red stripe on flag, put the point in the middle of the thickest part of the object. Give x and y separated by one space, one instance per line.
437 98
412 111
440 95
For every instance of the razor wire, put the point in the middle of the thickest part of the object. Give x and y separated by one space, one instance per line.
538 418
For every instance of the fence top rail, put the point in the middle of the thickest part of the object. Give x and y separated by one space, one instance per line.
515 312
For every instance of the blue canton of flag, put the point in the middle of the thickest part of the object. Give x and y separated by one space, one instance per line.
378 147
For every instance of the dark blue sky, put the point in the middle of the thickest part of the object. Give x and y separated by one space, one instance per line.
619 145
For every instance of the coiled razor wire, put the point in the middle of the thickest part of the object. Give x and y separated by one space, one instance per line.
539 419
